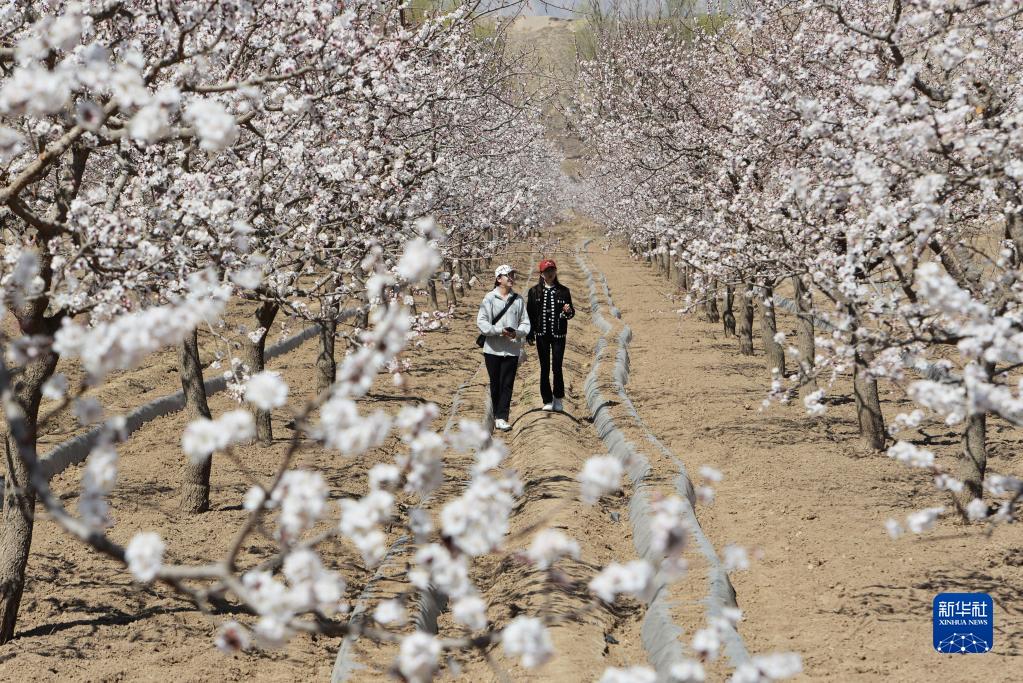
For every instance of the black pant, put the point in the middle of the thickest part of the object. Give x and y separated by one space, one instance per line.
545 348
502 382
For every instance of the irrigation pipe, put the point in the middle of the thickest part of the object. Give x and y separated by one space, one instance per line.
659 634
429 603
74 451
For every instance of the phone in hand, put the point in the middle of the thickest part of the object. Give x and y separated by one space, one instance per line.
509 330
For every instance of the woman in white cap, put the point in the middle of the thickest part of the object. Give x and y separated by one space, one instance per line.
504 325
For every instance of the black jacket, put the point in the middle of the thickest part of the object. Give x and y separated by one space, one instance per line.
534 300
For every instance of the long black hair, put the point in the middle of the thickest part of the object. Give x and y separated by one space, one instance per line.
539 283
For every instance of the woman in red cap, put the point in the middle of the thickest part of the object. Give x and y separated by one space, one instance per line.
549 307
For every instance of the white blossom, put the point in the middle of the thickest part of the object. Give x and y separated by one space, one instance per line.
778 666
470 611
911 455
144 556
633 674
56 387
266 390
527 638
549 546
214 126
893 527
976 510
418 657
600 475
711 474
254 498
633 578
435 566
390 612
301 497
687 671
735 558
203 437
232 637
419 262
706 643
923 520
478 519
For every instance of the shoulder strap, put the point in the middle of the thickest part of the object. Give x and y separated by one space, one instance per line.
511 300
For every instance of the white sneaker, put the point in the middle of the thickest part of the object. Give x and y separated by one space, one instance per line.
548 406
558 405
502 425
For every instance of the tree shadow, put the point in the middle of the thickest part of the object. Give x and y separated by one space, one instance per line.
111 616
391 397
913 602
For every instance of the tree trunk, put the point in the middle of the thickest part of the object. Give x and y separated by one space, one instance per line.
773 351
19 496
973 459
195 480
449 288
256 361
431 287
666 265
456 268
972 464
746 321
728 317
868 403
710 305
805 336
326 365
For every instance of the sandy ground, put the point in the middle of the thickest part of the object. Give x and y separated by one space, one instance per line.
831 583
82 618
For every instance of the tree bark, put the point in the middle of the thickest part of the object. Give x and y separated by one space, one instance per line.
746 321
868 403
19 496
431 287
805 336
456 267
195 480
326 365
728 316
773 351
256 361
449 288
973 459
710 305
972 465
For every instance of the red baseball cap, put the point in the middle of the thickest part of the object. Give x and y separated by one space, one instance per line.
545 264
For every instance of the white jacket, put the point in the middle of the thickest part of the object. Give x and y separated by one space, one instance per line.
515 316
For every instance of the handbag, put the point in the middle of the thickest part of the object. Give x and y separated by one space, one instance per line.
482 339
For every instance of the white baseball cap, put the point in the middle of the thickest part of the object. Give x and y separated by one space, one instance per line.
503 269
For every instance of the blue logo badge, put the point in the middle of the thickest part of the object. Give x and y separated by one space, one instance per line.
964 623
